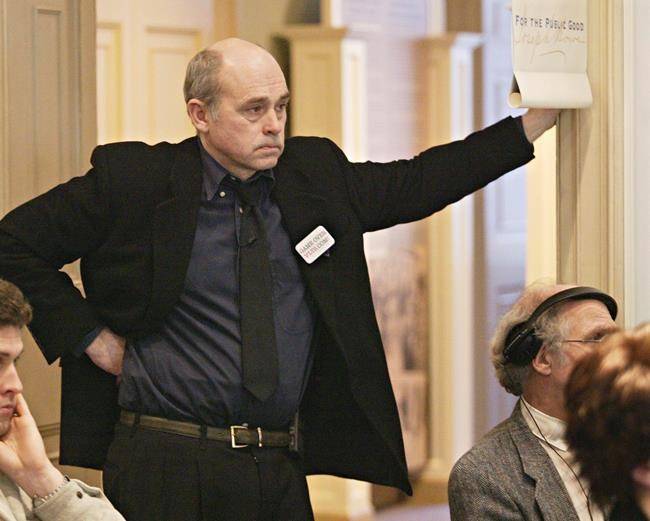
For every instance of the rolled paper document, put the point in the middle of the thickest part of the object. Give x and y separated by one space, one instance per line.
549 54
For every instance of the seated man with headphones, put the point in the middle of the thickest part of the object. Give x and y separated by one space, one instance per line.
522 469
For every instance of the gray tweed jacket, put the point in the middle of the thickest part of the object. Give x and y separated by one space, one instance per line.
508 476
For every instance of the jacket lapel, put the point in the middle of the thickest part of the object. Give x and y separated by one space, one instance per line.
551 495
174 225
303 210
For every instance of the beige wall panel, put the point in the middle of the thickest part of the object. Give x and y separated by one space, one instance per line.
109 82
40 152
41 383
39 143
225 20
591 228
142 52
4 126
168 52
18 82
48 124
318 64
50 104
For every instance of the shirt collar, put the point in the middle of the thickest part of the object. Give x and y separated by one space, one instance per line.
214 173
553 429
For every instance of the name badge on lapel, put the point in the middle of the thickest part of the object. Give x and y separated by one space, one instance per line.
315 244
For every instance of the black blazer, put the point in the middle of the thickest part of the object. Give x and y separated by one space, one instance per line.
131 221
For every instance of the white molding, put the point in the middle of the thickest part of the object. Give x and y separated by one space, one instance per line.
449 88
436 17
541 195
331 13
462 83
354 99
629 74
590 166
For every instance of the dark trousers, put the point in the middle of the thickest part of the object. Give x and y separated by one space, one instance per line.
151 475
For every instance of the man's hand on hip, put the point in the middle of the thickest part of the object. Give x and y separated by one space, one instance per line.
107 351
538 121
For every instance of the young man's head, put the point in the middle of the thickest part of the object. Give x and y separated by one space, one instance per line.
236 97
15 313
561 334
608 399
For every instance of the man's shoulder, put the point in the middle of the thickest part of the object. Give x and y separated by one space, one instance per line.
314 156
126 150
311 144
307 141
494 453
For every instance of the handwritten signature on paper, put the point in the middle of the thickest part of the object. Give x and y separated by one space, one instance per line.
548 31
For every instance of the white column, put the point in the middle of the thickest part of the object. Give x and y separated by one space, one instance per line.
450 92
541 235
636 129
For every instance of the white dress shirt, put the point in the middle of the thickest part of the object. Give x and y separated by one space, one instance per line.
552 437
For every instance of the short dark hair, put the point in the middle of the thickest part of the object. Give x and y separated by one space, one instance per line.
14 308
608 402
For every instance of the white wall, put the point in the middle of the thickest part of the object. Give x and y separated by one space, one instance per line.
637 125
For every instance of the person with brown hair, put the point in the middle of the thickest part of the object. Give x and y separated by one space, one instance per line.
608 401
31 487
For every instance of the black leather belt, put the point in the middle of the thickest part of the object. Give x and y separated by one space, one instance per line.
239 436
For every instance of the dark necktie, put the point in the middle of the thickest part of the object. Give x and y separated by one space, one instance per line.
259 353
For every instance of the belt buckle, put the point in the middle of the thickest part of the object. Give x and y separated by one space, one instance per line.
233 440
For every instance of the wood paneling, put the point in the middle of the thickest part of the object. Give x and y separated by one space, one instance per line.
464 15
168 50
591 227
50 112
140 92
109 82
47 91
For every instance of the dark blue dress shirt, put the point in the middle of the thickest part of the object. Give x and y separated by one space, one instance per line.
191 368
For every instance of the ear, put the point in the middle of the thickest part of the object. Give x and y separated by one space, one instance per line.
542 361
199 115
641 475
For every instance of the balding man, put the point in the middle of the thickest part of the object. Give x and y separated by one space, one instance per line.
225 282
523 469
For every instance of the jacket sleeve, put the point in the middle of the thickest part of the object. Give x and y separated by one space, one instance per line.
474 494
385 194
39 237
76 501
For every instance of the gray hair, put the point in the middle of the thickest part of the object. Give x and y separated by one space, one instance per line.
201 78
551 328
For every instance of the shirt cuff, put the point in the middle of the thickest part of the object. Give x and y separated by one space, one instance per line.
80 349
76 500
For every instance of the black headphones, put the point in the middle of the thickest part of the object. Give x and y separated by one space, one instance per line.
522 344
